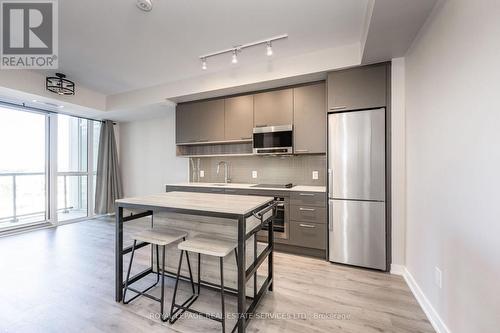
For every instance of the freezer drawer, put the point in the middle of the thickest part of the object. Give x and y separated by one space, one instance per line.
357 233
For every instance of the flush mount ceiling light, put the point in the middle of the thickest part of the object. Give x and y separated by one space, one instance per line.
59 85
235 50
144 5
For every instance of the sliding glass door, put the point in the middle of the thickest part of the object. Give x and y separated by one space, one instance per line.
72 167
48 166
23 168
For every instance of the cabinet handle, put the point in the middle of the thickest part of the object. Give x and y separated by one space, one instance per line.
246 138
338 107
307 225
306 194
307 209
204 140
230 190
301 150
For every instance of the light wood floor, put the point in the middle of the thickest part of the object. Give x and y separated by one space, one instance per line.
62 280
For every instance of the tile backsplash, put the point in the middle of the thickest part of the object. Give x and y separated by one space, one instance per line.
270 169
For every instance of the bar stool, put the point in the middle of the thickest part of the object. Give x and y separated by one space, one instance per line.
158 236
210 246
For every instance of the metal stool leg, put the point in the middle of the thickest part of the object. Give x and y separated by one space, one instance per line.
128 272
222 294
189 268
199 273
172 318
157 264
162 315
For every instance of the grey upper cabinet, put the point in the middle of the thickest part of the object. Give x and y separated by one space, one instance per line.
239 118
309 119
273 108
357 88
200 122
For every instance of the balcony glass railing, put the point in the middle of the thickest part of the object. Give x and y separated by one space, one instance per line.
23 198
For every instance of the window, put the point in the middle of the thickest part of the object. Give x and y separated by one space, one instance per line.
72 166
48 167
23 168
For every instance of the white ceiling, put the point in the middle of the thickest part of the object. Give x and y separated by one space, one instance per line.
113 47
129 64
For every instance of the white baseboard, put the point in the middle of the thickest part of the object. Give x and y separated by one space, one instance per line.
398 269
429 310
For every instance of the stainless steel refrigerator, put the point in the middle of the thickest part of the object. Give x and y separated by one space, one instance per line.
356 188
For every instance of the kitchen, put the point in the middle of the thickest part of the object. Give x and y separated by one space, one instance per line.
317 170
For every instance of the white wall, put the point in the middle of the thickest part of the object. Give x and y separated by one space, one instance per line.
147 155
453 163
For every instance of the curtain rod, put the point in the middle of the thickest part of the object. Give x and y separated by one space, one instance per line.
32 108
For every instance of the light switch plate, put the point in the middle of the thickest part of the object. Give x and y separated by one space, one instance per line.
254 174
315 175
202 173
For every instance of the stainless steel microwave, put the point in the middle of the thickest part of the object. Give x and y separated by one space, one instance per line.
273 140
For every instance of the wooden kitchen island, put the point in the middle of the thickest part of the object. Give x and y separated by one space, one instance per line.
247 214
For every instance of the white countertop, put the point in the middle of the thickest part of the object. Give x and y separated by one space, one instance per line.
206 202
298 188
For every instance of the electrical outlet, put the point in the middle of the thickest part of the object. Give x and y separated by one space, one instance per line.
202 173
254 174
315 175
438 277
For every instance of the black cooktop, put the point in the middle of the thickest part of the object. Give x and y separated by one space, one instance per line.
289 185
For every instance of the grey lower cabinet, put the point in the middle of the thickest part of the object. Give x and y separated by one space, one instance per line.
307 234
307 224
358 88
308 220
238 118
200 122
309 119
273 108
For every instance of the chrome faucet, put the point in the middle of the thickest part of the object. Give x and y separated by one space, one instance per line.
226 178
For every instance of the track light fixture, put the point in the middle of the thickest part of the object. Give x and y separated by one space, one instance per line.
236 49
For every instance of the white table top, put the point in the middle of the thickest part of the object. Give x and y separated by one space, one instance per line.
205 202
297 188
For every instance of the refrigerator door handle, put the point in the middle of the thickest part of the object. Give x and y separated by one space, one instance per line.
330 183
330 216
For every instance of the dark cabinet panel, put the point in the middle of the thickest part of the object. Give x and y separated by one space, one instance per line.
308 199
185 131
238 118
309 119
273 108
357 88
306 234
200 121
308 214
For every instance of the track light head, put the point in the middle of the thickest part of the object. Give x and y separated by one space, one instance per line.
204 64
269 49
234 58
